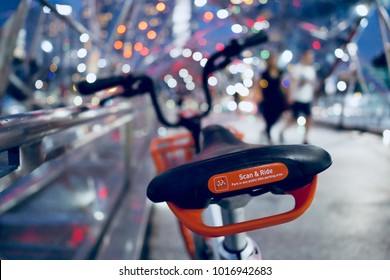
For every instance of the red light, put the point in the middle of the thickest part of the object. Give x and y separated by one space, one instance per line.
316 45
219 47
77 236
144 51
103 193
202 42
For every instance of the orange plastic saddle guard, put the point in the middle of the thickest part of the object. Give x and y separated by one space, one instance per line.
192 218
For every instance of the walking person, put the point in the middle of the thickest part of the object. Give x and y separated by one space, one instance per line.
302 88
271 101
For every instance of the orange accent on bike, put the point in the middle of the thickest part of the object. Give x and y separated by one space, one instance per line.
170 151
192 218
247 178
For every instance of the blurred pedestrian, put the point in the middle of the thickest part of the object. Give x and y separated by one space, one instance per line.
302 88
271 100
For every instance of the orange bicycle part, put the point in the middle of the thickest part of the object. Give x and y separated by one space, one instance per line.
170 151
192 218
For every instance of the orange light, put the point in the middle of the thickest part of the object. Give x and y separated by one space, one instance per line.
151 35
121 29
208 16
144 51
142 25
160 7
118 45
127 53
138 46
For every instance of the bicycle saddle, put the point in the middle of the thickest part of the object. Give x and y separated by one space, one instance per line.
228 167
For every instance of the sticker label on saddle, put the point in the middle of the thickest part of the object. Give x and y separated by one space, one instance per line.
247 178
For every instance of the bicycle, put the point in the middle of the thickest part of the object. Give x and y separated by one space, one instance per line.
228 172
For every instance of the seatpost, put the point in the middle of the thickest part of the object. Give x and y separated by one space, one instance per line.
237 246
237 242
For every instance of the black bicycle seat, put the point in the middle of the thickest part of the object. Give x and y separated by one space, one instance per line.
228 167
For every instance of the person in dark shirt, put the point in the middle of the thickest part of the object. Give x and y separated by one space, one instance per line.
272 101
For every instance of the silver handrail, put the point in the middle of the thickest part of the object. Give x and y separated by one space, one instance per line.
31 140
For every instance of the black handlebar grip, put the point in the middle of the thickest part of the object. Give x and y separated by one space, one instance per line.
86 88
256 39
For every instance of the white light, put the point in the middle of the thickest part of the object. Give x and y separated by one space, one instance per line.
246 106
78 100
200 3
260 25
175 53
183 73
231 90
352 48
233 69
241 89
237 28
345 58
46 10
126 68
197 56
81 53
232 106
38 84
241 68
341 86
222 14
286 57
203 62
81 68
91 78
362 10
64 10
167 78
188 79
46 46
249 73
162 131
84 38
364 23
187 53
190 86
339 53
386 137
172 83
301 121
102 63
99 215
212 81
248 82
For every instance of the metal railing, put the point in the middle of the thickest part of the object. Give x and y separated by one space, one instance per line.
64 174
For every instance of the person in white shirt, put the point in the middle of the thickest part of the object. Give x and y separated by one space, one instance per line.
303 84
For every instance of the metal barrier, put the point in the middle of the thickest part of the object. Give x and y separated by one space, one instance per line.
68 175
